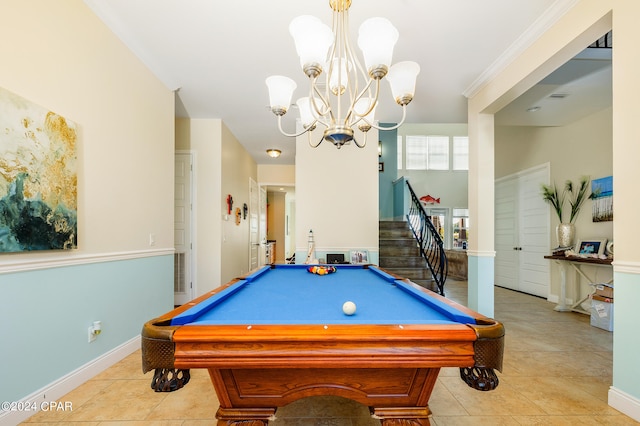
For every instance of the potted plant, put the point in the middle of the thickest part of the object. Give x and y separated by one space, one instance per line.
565 231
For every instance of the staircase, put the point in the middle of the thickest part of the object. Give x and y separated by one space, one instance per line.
400 254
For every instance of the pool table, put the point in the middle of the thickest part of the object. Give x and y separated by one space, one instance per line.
280 334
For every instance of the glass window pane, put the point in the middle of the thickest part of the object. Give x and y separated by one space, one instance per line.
460 228
439 219
416 157
438 158
460 153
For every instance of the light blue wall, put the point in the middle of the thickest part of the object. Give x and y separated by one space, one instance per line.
45 316
401 198
626 343
481 277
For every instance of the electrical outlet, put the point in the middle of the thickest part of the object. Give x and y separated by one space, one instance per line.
94 330
152 240
92 335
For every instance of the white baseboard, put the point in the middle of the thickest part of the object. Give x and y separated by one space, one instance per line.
625 403
56 390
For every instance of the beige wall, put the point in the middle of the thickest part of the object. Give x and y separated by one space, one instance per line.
203 138
336 193
124 164
221 166
276 174
237 167
59 55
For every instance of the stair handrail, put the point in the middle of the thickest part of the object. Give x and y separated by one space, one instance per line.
429 240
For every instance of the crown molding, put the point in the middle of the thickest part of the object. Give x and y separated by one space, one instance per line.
539 27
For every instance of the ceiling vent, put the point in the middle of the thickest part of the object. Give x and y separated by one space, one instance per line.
558 95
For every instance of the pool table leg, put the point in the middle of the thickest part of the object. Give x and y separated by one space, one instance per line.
402 416
245 416
405 422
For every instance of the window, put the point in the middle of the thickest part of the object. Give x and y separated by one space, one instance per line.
416 153
439 219
427 153
460 228
460 153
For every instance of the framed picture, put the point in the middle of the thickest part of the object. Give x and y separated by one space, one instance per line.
359 256
380 166
591 246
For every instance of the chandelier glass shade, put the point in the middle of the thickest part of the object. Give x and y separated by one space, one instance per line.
343 94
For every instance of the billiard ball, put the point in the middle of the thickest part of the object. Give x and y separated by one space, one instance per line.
349 308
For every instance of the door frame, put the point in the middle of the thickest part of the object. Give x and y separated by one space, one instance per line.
191 285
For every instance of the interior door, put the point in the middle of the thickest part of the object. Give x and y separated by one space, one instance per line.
533 237
254 237
506 237
182 282
522 233
263 223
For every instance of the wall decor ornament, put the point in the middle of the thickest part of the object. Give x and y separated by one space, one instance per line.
566 231
38 177
602 195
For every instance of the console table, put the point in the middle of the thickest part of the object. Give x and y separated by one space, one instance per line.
576 263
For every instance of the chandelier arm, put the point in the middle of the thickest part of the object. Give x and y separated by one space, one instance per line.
404 114
372 105
357 66
316 109
363 144
312 145
294 135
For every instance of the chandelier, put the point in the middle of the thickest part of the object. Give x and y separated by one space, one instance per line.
346 95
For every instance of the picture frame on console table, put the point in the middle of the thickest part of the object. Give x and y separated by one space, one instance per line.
591 246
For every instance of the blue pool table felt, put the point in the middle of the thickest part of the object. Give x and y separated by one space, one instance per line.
289 294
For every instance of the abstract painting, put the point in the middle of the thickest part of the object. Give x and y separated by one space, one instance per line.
602 195
38 177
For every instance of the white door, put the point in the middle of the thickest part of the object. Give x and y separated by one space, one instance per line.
182 282
533 238
522 232
263 224
254 237
506 236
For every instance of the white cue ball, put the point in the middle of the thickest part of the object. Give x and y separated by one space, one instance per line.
349 308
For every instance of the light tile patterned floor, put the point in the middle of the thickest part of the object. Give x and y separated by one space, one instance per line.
557 372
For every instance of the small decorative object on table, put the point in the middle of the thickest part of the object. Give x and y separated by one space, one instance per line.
321 270
566 231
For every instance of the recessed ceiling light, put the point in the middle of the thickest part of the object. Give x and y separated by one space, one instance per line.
534 109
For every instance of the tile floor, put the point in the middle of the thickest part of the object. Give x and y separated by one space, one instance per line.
557 371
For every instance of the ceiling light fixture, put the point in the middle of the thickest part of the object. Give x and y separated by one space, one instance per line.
274 153
350 93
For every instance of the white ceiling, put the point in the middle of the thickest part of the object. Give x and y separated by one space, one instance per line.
216 54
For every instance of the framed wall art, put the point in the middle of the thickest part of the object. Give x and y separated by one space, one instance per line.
38 180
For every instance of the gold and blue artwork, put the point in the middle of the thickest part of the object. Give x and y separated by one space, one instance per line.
38 177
